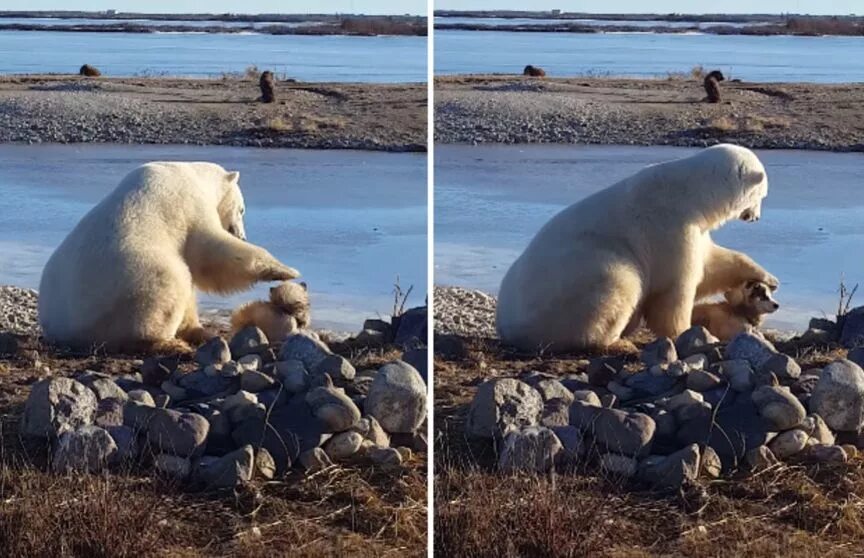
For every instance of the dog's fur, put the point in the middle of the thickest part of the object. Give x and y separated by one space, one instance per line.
744 308
533 71
712 86
285 312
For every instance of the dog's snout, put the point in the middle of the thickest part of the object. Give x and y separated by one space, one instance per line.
775 305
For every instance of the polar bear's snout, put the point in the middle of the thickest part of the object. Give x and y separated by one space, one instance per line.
750 214
237 230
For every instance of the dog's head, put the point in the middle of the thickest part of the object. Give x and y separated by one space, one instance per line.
755 295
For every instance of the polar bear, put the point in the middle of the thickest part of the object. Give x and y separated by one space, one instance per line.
640 249
125 277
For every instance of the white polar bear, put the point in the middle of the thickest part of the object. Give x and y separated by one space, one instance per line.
638 249
125 277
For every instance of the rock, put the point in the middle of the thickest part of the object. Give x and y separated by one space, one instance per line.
387 457
501 405
573 444
88 449
586 397
337 367
249 340
666 425
201 384
618 465
227 471
412 328
136 416
826 454
760 458
109 412
172 466
305 347
839 396
694 412
661 351
750 347
648 383
250 362
314 460
805 385
154 371
379 326
618 431
56 406
371 430
265 465
175 392
779 407
856 355
603 370
608 400
177 433
254 381
852 334
214 351
696 362
8 344
622 393
126 442
238 400
333 408
738 373
533 449
782 366
343 445
731 431
710 464
788 443
701 380
685 398
419 359
105 389
672 471
693 341
293 375
556 412
397 398
553 389
816 428
143 397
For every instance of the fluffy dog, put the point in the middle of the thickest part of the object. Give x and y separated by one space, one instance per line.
285 312
745 307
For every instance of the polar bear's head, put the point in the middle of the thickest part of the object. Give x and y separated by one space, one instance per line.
232 207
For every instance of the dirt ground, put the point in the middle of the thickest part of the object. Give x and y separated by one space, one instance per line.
794 509
353 510
513 109
72 109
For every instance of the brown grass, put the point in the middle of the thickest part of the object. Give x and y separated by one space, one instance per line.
748 124
303 124
792 510
356 509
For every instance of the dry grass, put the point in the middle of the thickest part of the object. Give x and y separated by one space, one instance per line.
792 510
356 510
304 124
748 124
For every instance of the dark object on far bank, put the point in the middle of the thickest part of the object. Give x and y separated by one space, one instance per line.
89 71
712 86
533 71
268 87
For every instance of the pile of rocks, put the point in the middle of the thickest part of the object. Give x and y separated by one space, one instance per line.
247 408
691 407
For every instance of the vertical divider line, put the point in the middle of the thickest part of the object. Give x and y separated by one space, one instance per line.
430 271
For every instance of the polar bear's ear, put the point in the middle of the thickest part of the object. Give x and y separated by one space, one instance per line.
234 177
752 178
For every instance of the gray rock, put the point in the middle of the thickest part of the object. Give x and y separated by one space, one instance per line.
254 381
201 384
693 341
143 397
387 457
371 430
154 371
661 351
126 442
684 399
603 370
313 460
265 465
105 388
136 416
761 458
779 407
397 398
738 373
419 359
710 465
618 431
622 393
293 375
250 362
556 412
750 347
337 367
109 412
237 401
553 389
57 405
839 396
782 366
533 449
86 450
856 355
214 351
696 362
305 347
666 425
826 454
501 405
172 466
852 334
175 392
618 465
587 397
227 471
817 429
573 443
249 340
648 383
177 433
672 471
333 408
701 380
412 328
343 445
788 443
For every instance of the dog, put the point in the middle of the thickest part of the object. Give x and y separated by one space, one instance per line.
286 312
744 309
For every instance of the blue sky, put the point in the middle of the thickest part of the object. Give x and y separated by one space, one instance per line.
246 6
664 6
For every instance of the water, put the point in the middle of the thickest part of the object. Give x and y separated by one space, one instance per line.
307 58
143 21
771 59
591 22
491 200
350 221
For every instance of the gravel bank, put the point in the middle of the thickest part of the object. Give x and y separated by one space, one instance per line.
464 312
69 109
509 109
18 310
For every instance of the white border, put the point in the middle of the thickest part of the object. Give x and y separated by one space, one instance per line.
430 271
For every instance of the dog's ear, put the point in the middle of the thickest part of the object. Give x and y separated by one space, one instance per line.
751 284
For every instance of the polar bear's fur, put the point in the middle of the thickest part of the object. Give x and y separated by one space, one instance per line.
640 249
285 312
125 277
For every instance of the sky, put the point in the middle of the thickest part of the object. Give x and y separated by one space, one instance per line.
664 6
219 6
